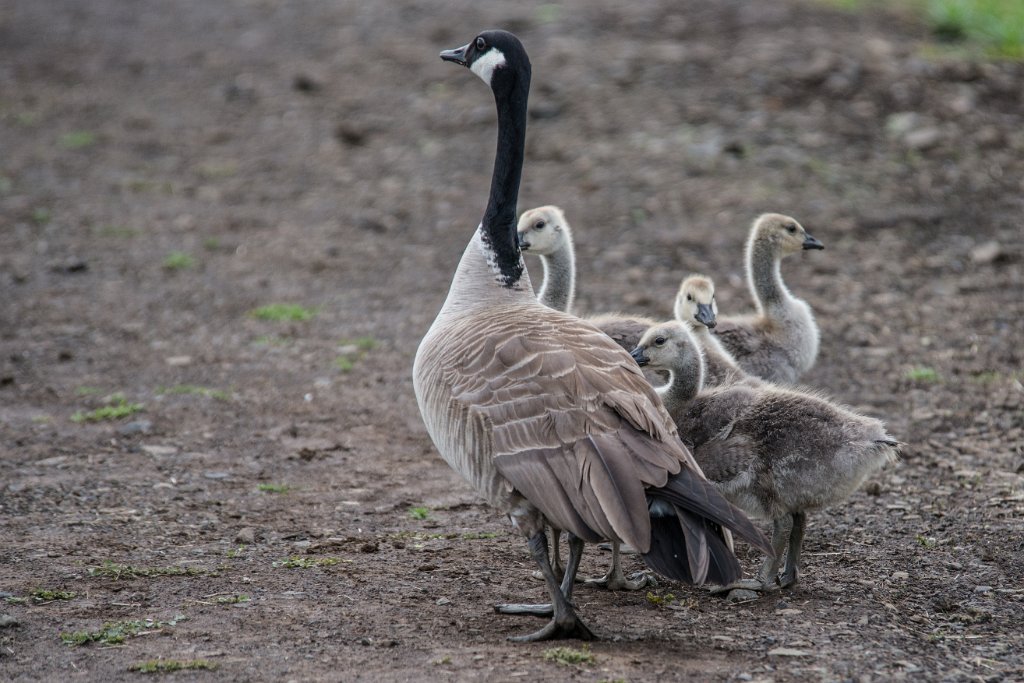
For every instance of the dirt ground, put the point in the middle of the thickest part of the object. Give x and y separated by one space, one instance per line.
319 153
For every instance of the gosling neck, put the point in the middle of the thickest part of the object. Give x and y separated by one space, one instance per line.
684 383
559 288
764 276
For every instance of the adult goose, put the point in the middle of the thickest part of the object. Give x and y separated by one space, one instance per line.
780 341
545 416
774 452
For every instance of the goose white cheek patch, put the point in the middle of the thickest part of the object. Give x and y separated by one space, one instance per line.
485 65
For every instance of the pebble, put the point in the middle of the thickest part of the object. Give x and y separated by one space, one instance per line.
136 427
987 252
160 450
178 361
983 589
788 652
216 475
900 576
246 536
442 601
6 620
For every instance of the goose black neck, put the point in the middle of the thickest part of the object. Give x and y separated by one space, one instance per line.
498 227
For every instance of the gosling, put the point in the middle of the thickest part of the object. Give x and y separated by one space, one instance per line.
775 453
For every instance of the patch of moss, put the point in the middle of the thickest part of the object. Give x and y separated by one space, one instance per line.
283 312
161 666
569 656
114 570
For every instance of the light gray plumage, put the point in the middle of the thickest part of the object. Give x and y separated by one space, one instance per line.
780 341
547 418
775 452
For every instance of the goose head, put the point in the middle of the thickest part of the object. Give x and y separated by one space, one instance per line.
666 346
695 302
543 231
497 57
785 235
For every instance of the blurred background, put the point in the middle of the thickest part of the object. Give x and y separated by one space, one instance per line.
225 226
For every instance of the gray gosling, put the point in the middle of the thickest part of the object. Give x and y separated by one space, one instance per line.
774 452
545 232
779 342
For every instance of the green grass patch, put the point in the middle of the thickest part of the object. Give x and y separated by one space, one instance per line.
118 408
283 313
163 666
926 541
116 632
419 512
45 595
296 562
87 391
118 571
211 244
569 656
232 599
178 260
118 231
194 390
352 351
273 488
995 26
77 139
660 600
15 600
922 373
41 215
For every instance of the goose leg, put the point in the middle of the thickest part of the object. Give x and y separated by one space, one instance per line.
767 577
556 557
564 622
791 572
615 580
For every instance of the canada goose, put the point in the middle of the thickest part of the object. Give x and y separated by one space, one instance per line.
548 419
544 231
776 453
696 308
779 342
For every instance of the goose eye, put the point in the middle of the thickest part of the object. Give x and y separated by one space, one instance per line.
481 44
791 228
659 341
689 297
539 225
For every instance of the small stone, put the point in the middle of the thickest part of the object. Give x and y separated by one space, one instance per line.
366 641
739 595
306 83
178 361
6 621
788 612
371 547
159 450
443 601
900 576
922 138
246 536
983 589
216 475
136 427
987 252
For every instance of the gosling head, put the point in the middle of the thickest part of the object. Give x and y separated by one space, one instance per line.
543 231
695 303
784 234
666 346
497 57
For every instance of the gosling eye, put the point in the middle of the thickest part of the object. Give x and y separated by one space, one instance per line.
659 341
480 43
539 225
791 228
689 297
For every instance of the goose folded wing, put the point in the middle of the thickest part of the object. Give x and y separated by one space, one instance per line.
576 429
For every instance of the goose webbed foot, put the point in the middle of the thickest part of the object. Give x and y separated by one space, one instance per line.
564 621
615 580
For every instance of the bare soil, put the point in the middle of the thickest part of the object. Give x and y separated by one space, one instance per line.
320 154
